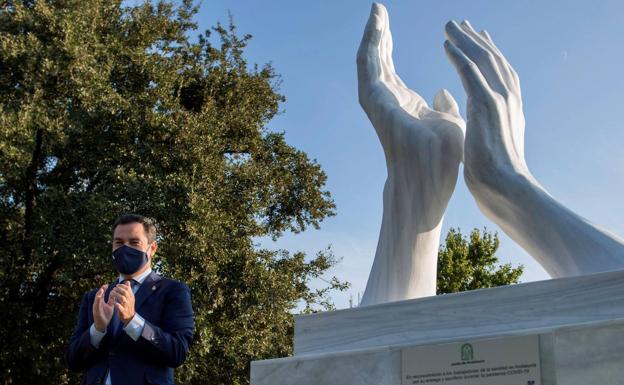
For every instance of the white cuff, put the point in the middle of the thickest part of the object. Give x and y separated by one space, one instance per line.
96 335
134 328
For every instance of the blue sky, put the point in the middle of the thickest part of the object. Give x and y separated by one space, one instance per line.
569 56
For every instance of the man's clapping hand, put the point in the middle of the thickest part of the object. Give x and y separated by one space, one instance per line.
124 301
121 297
102 310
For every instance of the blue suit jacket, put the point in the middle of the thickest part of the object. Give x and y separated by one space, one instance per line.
165 305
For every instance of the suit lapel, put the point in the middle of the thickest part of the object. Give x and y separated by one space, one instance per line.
147 288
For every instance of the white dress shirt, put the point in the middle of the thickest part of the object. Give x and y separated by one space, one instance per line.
134 328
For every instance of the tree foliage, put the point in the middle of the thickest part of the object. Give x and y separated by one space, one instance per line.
471 263
107 109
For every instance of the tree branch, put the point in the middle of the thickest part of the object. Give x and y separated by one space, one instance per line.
30 202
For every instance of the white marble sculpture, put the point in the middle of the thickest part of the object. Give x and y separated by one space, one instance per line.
423 148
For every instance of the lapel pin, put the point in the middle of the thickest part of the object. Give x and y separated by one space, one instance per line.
153 287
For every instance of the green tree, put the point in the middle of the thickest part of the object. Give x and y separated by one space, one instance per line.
106 109
471 263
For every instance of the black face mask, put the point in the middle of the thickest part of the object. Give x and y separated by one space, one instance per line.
129 260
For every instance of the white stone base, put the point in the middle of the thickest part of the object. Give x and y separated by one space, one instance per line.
579 320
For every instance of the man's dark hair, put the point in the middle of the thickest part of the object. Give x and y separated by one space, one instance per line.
149 225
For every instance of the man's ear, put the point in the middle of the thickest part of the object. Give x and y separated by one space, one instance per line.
153 247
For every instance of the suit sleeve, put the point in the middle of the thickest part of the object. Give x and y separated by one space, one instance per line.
169 344
80 354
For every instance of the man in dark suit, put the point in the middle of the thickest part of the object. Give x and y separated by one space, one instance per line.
137 329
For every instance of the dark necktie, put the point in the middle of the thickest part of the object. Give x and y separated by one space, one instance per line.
133 283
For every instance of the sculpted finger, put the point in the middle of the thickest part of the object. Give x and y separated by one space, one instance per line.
472 80
486 36
388 72
478 37
488 39
485 41
478 55
368 56
444 102
512 72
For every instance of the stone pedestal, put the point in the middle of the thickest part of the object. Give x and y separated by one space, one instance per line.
579 322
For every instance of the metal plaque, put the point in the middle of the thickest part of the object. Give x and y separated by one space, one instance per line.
502 361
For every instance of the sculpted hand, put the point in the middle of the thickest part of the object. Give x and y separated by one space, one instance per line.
494 146
124 301
497 174
102 310
423 148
